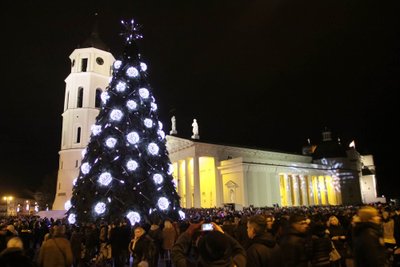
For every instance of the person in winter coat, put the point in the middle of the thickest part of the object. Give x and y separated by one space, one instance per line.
169 236
295 243
368 245
13 255
56 251
262 250
321 245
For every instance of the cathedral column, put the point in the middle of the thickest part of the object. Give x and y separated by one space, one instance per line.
310 190
296 190
219 191
288 190
196 183
303 190
188 185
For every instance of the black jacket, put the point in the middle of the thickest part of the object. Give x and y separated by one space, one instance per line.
263 251
368 247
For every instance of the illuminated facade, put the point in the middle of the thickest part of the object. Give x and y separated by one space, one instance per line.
211 175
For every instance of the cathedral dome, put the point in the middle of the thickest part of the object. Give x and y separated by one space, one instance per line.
329 148
95 41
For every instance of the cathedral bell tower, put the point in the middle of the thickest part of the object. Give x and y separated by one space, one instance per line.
89 77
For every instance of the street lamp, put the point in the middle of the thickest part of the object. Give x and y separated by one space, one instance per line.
8 199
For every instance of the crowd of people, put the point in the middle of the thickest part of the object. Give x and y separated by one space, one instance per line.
277 236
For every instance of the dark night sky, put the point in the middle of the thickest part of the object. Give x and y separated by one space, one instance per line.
258 73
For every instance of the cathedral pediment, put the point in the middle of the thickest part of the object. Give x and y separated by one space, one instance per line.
175 144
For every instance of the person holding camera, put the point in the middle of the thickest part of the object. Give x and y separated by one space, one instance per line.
204 245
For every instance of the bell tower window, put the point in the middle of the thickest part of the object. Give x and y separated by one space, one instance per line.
78 135
84 64
98 98
79 102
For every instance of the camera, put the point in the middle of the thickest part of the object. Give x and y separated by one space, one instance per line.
207 227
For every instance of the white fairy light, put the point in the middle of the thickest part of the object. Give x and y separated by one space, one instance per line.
157 178
170 169
153 148
143 66
74 181
104 97
100 208
148 123
105 178
163 203
153 106
133 137
67 205
161 134
96 129
117 64
182 215
132 165
144 93
160 125
109 200
72 218
132 105
121 86
85 168
116 114
111 142
132 72
134 217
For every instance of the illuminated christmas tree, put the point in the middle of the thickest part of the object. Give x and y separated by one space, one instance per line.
125 170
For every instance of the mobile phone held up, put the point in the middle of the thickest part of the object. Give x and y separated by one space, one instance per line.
207 227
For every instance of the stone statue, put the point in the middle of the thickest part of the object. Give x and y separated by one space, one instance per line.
173 126
195 130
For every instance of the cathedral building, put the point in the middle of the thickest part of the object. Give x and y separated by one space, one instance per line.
213 175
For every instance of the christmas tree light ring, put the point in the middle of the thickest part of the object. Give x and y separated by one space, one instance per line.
117 64
120 87
153 148
132 105
143 66
105 178
111 142
104 97
116 115
100 208
133 138
132 72
144 93
67 205
161 134
96 129
182 214
134 217
158 178
153 106
85 168
132 165
163 203
148 122
72 218
160 125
